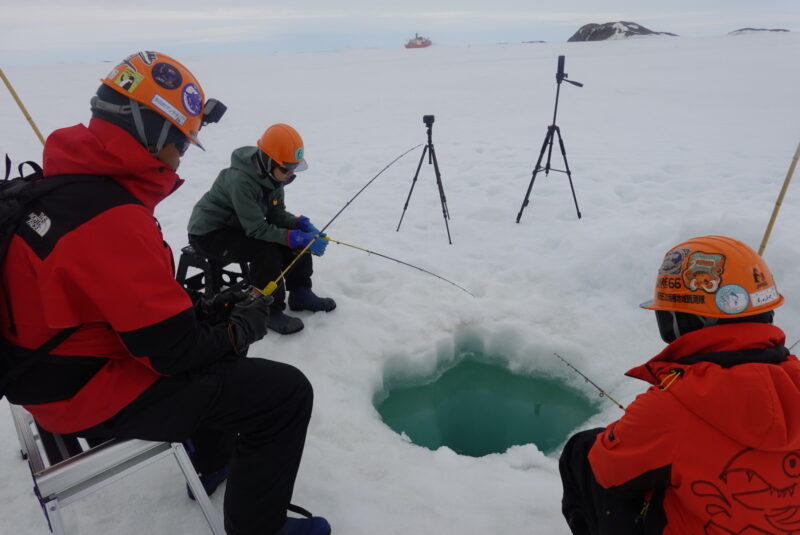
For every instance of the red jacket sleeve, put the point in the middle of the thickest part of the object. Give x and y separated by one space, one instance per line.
124 271
642 441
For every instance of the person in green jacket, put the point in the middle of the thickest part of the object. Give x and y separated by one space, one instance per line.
243 218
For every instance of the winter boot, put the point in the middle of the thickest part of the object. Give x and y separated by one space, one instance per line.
283 324
316 525
304 299
210 481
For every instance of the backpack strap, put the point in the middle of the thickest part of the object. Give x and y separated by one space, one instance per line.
38 354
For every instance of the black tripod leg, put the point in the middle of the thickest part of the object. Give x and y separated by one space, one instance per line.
413 182
547 139
445 211
569 173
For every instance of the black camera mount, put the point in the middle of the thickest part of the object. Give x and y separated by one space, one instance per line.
429 150
552 131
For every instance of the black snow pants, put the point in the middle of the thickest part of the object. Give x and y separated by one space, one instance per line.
250 414
589 508
267 260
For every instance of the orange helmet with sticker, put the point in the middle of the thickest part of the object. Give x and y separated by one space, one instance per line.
284 146
714 276
165 86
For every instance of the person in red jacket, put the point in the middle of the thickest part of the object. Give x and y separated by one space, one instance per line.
143 363
713 446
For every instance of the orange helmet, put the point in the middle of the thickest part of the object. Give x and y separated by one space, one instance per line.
162 85
284 146
714 276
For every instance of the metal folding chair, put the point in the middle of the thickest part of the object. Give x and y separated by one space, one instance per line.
57 485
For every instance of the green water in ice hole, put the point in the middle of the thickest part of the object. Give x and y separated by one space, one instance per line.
475 409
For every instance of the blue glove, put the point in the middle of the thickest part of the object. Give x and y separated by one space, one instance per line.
299 239
303 223
318 247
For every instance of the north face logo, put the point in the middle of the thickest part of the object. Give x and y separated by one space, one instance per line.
39 222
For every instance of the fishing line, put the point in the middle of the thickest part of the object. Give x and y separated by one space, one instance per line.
400 262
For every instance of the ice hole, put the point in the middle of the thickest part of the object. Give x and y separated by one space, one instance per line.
477 406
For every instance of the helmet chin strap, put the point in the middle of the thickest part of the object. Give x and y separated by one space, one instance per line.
266 167
139 122
134 110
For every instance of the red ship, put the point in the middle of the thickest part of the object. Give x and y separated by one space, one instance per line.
418 42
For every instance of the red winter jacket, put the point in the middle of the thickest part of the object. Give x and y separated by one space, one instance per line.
100 262
721 441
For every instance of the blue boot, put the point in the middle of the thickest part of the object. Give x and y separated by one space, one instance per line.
316 525
210 482
304 299
283 324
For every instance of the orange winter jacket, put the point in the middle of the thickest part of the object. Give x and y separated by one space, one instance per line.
718 442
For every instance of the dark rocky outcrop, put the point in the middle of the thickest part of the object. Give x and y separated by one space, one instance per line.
612 30
752 30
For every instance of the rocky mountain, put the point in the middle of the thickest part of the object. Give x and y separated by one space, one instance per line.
612 30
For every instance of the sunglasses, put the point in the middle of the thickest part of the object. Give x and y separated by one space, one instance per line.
288 168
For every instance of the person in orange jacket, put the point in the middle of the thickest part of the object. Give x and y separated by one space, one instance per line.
713 446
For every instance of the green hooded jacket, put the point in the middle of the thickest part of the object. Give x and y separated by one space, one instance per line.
242 198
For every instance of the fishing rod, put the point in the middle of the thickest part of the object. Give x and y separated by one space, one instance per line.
271 286
603 393
366 186
399 262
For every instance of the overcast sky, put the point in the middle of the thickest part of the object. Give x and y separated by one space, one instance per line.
54 30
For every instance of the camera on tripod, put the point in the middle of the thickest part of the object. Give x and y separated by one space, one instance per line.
547 146
562 76
431 153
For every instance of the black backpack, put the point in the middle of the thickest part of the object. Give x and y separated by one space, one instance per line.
16 196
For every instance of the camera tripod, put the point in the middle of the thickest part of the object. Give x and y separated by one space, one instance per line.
428 120
553 131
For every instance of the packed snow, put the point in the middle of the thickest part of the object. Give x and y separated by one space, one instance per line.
670 138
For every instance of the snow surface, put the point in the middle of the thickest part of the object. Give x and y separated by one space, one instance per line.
670 138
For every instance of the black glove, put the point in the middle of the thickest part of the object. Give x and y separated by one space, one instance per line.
217 308
247 322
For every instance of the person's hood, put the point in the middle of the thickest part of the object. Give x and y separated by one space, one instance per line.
243 160
738 378
105 149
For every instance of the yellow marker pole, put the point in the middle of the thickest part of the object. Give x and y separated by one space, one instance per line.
21 106
780 200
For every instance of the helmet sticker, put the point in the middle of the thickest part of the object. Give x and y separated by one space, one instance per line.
762 297
685 299
162 104
192 99
167 76
732 299
673 262
704 271
759 278
298 154
148 57
129 80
